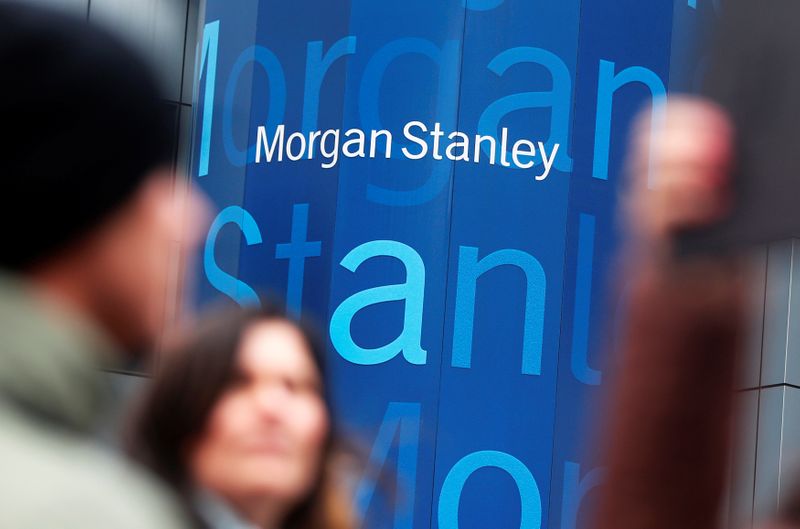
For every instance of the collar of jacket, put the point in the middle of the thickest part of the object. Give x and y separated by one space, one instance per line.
50 359
217 513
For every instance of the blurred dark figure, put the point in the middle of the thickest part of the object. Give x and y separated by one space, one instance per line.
88 212
666 446
237 422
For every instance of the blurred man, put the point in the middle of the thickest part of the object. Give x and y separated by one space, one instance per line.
87 212
667 439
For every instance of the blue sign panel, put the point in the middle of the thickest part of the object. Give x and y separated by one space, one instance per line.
434 183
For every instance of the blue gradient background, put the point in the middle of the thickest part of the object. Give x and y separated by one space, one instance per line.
485 446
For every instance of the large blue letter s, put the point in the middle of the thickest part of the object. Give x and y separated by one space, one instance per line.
237 290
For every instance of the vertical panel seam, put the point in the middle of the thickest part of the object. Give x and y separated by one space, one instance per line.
434 500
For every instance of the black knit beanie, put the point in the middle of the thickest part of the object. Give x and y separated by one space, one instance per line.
82 126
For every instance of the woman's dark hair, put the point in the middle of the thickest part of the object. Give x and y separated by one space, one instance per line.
187 384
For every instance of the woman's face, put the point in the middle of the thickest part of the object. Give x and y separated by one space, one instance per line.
265 436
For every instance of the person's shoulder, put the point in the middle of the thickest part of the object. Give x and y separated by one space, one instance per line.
54 479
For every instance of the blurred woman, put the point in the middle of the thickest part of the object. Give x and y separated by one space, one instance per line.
236 421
